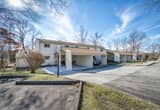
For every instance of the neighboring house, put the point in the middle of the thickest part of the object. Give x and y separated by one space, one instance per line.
120 56
127 57
70 53
8 46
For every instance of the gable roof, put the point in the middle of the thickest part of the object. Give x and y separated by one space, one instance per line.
67 43
123 52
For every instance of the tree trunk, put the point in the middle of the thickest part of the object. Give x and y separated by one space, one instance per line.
23 47
32 71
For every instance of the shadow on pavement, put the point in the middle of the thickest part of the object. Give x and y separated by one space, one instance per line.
92 71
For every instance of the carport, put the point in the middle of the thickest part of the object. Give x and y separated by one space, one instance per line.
113 56
81 57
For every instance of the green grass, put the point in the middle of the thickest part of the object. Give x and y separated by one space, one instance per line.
39 75
97 97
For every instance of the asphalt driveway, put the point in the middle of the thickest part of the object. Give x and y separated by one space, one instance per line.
144 83
104 74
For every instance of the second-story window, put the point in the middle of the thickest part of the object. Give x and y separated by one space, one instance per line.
47 45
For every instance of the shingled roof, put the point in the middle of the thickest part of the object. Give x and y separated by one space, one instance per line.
67 43
82 51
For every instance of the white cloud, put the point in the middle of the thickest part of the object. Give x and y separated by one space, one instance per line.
125 17
53 26
59 27
15 3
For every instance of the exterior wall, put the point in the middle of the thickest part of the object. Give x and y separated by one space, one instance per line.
84 60
39 47
104 60
123 58
126 58
134 57
116 57
129 58
47 52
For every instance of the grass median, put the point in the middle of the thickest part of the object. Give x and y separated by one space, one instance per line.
97 97
39 75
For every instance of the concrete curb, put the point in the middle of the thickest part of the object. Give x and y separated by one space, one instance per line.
46 82
145 64
80 95
14 76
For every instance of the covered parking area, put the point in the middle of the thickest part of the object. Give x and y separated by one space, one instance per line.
82 57
113 56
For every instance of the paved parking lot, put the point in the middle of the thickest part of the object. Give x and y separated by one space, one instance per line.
104 74
144 83
37 97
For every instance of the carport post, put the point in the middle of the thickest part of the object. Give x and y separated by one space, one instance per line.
58 66
58 53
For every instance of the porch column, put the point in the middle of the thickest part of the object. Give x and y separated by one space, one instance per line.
60 59
68 60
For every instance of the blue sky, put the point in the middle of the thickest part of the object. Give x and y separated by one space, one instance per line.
112 18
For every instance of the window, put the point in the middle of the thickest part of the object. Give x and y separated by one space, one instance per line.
46 45
46 57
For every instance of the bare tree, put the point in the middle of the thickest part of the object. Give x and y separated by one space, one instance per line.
6 42
56 6
34 34
10 16
135 40
109 45
34 60
154 48
95 39
23 28
124 44
116 43
83 35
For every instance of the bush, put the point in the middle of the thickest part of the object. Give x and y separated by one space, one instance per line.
34 60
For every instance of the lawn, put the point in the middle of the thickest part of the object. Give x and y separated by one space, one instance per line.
39 75
96 97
